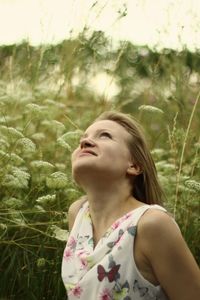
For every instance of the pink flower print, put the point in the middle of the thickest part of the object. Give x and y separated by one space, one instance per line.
105 294
84 263
76 291
81 252
127 216
115 225
68 253
72 242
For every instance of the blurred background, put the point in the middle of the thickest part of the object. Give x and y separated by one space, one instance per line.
62 63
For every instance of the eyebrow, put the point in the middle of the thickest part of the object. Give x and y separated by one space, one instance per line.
97 131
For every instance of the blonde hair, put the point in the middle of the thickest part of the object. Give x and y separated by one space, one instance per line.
146 187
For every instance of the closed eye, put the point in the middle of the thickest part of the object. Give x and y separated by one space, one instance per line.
106 134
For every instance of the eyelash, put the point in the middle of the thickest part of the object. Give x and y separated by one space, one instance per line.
106 134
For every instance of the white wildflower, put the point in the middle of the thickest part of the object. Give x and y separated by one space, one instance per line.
27 145
69 139
13 203
3 155
41 262
11 132
57 180
17 178
165 166
34 107
54 125
60 166
163 180
42 166
193 185
38 136
17 217
4 144
5 119
158 152
39 208
185 189
63 144
197 145
3 229
150 108
36 110
16 159
54 103
58 125
46 200
58 233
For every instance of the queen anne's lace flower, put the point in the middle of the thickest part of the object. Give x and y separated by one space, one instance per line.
193 185
151 109
27 145
42 166
58 233
57 180
69 139
16 178
11 132
46 200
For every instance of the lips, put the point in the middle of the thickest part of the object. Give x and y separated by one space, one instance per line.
87 152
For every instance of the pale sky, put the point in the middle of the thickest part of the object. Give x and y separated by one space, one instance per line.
161 23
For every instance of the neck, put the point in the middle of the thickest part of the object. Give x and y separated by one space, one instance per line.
108 203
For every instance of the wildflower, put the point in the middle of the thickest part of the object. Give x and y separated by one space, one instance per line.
46 200
38 136
11 132
68 139
151 109
36 110
55 126
193 185
27 145
3 155
58 233
17 178
4 144
13 203
42 166
41 262
57 180
16 159
3 229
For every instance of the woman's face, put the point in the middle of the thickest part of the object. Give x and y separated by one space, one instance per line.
103 152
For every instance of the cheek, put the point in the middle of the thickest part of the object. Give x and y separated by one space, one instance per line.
74 154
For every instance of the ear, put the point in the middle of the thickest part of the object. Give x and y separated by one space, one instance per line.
134 169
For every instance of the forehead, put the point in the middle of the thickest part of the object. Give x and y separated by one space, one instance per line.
109 125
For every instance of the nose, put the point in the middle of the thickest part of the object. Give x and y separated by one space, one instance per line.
86 143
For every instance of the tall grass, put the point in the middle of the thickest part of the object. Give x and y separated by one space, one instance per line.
47 97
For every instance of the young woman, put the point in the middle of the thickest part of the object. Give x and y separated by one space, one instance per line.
123 245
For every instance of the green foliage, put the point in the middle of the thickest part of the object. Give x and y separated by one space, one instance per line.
47 97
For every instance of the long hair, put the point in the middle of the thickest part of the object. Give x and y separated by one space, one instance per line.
146 187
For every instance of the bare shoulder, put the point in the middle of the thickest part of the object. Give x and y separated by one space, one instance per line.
73 210
168 255
156 221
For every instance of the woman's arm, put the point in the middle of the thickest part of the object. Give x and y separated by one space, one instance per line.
169 256
73 210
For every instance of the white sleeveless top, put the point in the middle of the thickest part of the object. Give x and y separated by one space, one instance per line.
108 270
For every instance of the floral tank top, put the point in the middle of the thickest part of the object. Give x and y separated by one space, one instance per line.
108 270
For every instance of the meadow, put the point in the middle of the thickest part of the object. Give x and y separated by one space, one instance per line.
48 96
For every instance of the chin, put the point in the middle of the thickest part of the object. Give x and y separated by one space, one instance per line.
82 172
